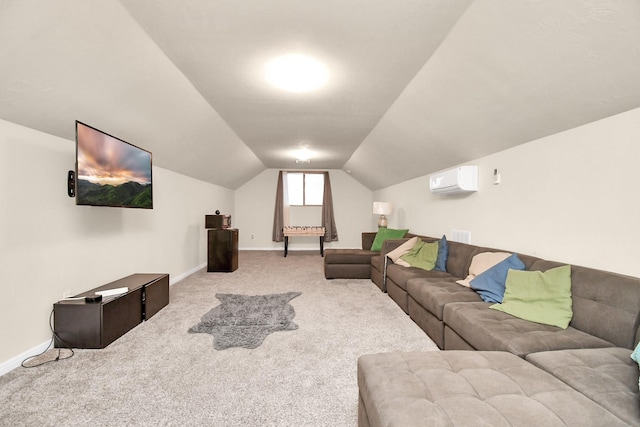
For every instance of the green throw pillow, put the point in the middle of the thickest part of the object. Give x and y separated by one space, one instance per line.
541 297
422 255
386 234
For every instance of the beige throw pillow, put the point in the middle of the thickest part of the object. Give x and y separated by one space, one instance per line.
401 250
481 263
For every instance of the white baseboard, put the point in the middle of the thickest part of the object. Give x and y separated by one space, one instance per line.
316 248
270 248
176 279
16 361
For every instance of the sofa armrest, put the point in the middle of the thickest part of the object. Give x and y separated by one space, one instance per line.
367 239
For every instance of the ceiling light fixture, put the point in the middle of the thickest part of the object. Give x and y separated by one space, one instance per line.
304 155
296 73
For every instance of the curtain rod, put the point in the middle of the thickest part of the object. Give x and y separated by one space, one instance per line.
305 171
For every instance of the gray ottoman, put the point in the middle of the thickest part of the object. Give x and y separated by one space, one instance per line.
347 263
607 376
468 388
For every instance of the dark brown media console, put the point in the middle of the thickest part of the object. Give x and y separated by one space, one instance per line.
81 324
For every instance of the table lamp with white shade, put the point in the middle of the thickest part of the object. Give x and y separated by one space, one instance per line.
382 209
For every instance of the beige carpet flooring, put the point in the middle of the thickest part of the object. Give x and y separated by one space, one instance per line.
160 375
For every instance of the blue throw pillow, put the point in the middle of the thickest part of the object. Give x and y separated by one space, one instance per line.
490 284
443 254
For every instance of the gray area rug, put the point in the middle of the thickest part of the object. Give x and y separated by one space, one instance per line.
246 320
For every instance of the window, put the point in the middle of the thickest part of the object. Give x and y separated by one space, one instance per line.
305 189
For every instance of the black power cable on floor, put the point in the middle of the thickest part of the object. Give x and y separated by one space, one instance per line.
58 357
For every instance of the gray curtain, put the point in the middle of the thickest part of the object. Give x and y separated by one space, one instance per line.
328 221
278 214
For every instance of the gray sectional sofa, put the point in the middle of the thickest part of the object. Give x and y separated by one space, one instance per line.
520 372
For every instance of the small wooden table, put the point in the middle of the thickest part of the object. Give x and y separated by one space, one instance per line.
303 231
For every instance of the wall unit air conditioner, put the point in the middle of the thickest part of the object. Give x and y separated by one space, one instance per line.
462 179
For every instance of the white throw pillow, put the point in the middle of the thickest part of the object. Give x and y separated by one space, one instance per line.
401 250
481 263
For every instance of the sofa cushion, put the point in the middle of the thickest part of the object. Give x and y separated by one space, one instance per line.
384 234
486 329
459 259
400 275
464 388
543 297
607 376
434 294
635 356
367 239
490 284
605 304
377 262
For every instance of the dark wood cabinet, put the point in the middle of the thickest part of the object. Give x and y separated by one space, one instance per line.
222 250
82 324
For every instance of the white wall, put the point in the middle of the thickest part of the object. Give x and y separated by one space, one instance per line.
570 197
49 245
255 204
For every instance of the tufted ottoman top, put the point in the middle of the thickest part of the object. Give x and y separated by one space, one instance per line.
467 388
607 376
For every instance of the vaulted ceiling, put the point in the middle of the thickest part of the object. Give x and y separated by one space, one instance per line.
415 86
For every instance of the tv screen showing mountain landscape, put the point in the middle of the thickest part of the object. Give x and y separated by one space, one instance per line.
110 171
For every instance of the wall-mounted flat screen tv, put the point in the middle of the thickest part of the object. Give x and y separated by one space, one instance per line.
110 171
